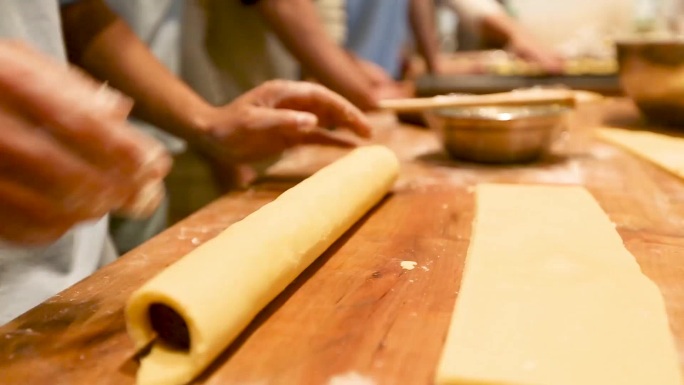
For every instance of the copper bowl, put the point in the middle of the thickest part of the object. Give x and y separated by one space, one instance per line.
498 134
652 75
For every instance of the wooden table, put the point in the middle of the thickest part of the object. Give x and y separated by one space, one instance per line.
355 314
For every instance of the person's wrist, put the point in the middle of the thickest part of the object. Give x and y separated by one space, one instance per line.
201 120
365 99
210 133
198 127
434 67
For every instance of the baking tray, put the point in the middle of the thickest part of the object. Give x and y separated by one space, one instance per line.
430 85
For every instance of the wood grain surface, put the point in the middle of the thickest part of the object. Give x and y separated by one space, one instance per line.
355 314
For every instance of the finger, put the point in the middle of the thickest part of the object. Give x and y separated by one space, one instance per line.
20 63
376 73
546 59
27 217
269 131
111 147
83 116
330 108
26 233
327 139
285 122
144 202
547 62
33 158
299 128
554 65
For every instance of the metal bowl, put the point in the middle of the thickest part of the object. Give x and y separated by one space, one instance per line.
498 134
652 75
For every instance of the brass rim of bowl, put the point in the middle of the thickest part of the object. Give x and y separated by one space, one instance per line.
501 114
650 40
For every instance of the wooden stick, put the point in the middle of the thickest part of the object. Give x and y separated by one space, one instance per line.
523 97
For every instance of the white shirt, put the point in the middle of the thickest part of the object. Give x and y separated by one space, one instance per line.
230 50
572 28
568 26
29 276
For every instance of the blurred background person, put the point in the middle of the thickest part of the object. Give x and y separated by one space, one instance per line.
379 32
230 46
486 24
334 16
544 31
388 33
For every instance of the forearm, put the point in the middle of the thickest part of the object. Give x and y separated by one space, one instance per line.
421 17
498 29
302 32
486 19
102 44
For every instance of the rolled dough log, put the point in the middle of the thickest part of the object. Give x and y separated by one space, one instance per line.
664 151
195 308
550 296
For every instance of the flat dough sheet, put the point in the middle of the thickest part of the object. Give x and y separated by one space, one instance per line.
664 151
550 296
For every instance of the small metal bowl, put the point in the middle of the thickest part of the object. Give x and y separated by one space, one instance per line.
498 134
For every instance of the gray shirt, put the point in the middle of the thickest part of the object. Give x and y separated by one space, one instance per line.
157 24
29 276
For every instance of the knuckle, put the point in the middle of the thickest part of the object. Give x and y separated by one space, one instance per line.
275 84
246 117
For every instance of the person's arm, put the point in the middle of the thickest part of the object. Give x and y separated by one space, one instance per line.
102 44
421 17
300 29
499 28
273 117
495 27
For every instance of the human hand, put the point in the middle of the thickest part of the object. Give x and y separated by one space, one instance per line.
375 74
529 49
275 116
393 90
66 152
382 84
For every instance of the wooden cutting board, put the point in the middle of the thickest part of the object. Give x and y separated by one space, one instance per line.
355 314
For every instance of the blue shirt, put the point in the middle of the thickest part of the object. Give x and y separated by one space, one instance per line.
377 31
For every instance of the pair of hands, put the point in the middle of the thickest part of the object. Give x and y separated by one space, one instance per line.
67 154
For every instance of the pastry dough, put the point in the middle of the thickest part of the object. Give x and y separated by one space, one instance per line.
550 296
664 151
198 306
